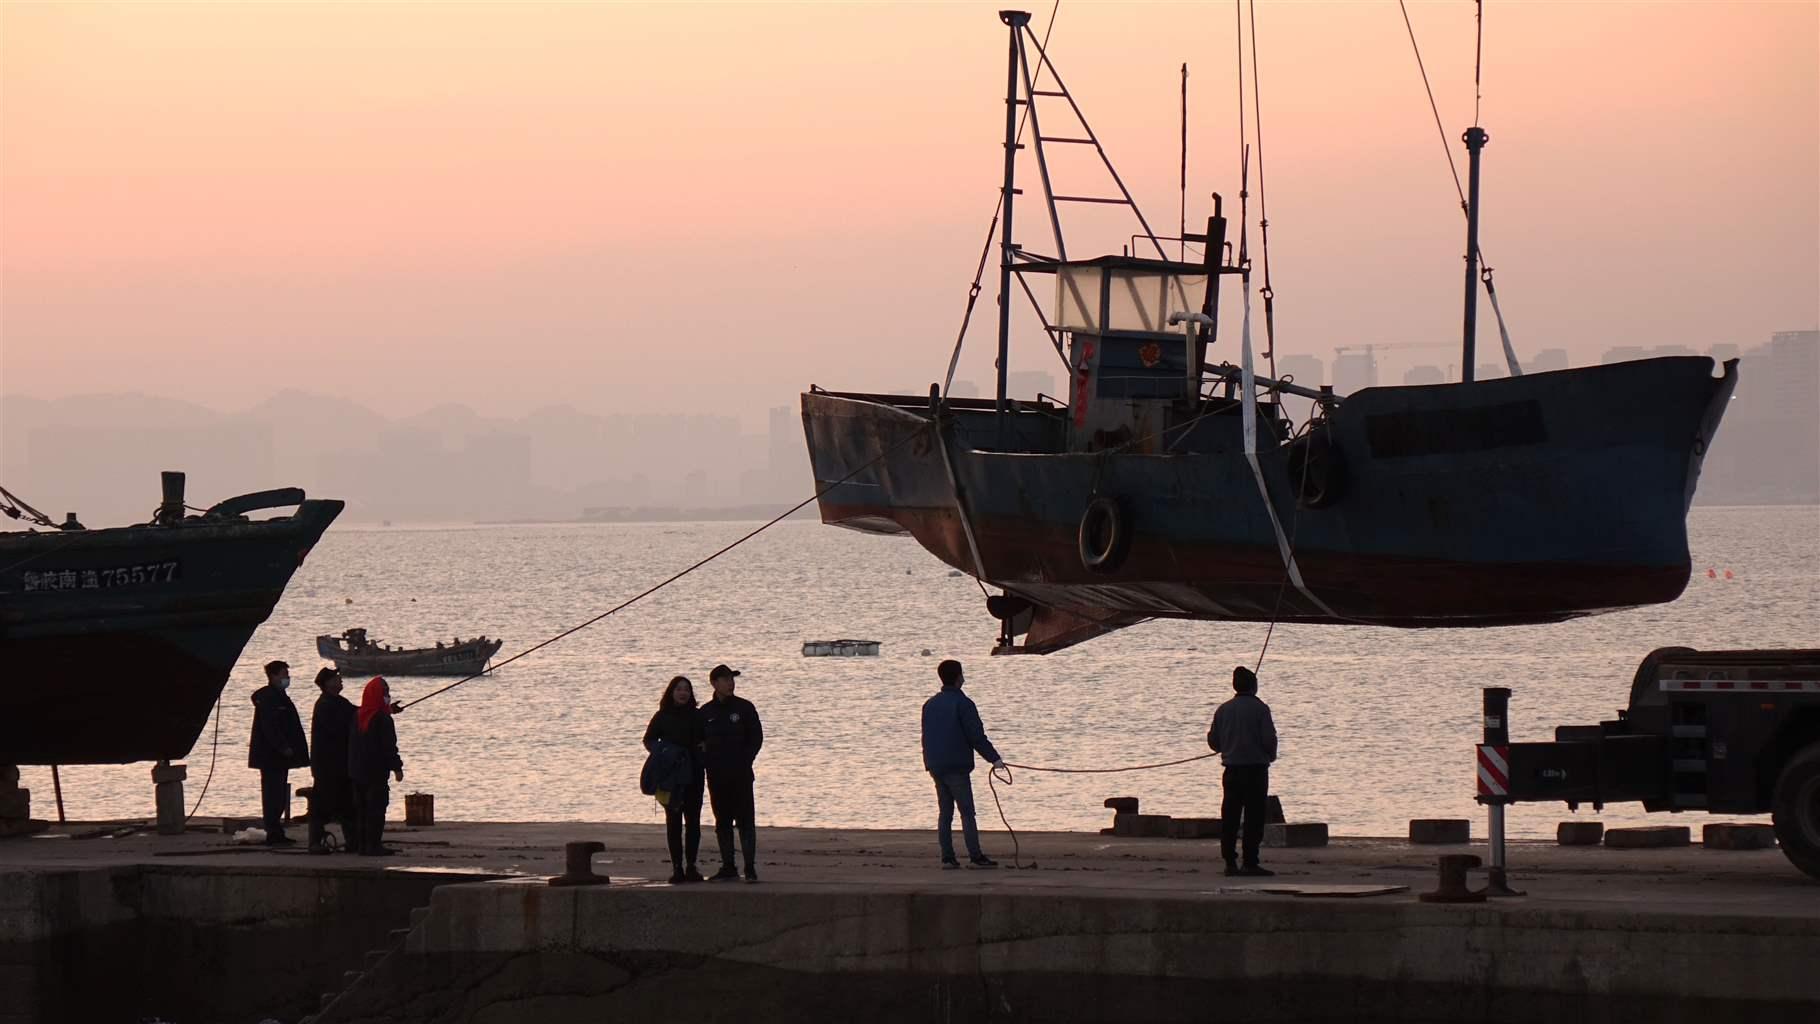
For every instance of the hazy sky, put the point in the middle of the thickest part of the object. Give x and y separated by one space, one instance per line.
634 207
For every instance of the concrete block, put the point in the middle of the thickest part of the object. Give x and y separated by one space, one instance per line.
1440 831
1579 833
1124 825
15 803
1154 826
1122 804
1194 828
1296 834
1727 835
1653 837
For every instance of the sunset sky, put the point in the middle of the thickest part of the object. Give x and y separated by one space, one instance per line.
695 206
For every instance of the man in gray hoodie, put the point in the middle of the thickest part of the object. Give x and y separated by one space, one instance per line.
1246 740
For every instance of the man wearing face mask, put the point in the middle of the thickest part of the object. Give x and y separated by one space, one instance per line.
277 746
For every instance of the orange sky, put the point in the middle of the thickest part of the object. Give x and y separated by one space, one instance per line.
633 207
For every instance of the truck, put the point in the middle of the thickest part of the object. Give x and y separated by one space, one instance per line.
1725 732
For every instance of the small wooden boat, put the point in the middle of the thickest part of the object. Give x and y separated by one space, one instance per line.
355 654
840 649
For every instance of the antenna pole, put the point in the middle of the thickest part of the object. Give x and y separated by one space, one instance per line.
1475 139
1182 231
1015 20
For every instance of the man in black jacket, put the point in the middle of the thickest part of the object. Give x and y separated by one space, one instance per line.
277 746
332 795
734 736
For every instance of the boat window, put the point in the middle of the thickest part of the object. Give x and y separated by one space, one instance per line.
1132 298
1077 299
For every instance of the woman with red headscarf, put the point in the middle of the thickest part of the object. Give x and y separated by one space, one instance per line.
372 755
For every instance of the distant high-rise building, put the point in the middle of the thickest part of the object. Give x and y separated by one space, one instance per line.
1305 370
963 389
1723 351
1354 370
1764 451
1624 354
1027 384
1546 360
1488 371
1425 374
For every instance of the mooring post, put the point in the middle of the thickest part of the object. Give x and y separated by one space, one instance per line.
167 784
1496 748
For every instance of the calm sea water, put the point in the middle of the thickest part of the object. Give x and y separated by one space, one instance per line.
1377 724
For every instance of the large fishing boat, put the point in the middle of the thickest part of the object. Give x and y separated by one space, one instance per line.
1170 483
116 642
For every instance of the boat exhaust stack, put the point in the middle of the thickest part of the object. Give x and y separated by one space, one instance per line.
170 510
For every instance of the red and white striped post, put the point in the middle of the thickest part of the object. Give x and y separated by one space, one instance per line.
1494 782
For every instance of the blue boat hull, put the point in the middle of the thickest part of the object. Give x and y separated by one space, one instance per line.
1520 500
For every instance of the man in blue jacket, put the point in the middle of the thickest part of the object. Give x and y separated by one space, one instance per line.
952 734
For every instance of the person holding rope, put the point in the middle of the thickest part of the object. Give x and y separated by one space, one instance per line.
1244 736
372 755
952 735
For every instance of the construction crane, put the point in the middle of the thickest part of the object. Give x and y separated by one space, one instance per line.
1364 365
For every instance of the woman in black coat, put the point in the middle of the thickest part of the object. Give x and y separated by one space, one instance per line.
372 755
678 722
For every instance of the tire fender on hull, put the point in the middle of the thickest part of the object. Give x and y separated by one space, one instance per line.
1316 471
1105 535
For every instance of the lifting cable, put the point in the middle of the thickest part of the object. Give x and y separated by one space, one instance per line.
1491 291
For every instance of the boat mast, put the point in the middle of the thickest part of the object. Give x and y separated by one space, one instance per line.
1015 20
1475 139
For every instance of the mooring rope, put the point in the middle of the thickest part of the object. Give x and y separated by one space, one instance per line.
647 592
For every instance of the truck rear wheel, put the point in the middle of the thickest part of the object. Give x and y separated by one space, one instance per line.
1796 809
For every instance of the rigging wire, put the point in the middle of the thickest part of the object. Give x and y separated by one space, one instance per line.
1257 121
647 592
1435 107
1485 272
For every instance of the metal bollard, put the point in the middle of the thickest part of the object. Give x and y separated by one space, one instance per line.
579 864
1452 887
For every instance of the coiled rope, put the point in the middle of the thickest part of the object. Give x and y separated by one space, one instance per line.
1001 772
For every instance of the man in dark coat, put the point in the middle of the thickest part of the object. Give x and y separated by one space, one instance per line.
332 794
1244 736
733 737
952 735
277 746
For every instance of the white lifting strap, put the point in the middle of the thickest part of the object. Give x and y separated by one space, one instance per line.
1249 398
1510 352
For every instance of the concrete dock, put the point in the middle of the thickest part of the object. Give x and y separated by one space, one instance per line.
851 923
